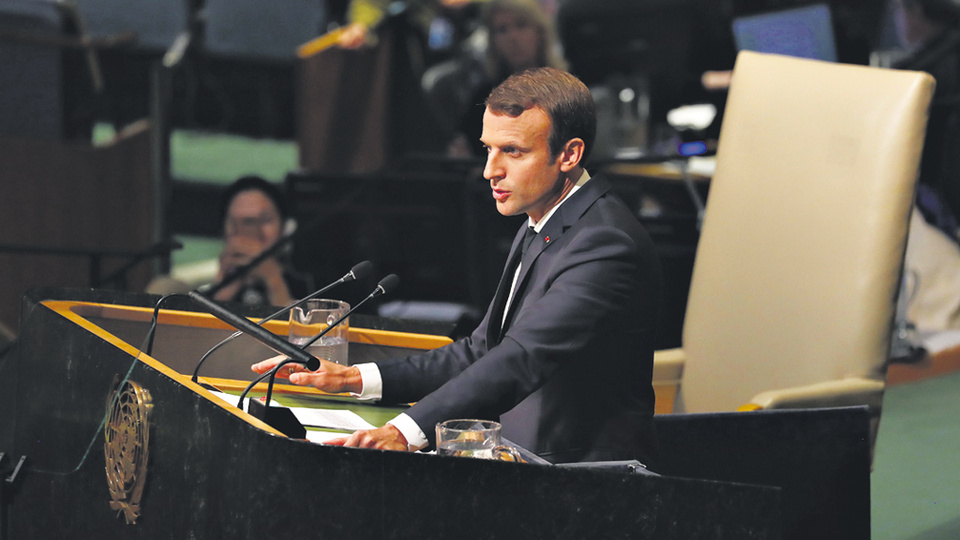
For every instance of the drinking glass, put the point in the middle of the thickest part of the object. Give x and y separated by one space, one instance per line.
316 316
473 438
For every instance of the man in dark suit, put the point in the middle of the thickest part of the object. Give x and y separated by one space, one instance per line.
564 355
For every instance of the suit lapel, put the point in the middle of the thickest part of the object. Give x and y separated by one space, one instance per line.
569 212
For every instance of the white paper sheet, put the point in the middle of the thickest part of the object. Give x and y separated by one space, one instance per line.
321 437
232 399
330 418
325 418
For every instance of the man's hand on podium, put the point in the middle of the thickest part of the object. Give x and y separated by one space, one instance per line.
335 378
332 378
387 437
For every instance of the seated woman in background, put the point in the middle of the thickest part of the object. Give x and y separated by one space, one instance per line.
516 35
255 217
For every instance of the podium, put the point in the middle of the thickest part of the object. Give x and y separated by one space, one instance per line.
173 461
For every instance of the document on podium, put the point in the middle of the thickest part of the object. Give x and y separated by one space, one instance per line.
321 437
330 418
312 417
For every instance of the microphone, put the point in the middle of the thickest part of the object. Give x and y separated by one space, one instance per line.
386 285
262 335
360 271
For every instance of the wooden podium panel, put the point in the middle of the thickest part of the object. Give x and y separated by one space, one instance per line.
212 471
70 195
364 110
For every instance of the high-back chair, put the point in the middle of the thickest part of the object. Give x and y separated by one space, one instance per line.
797 270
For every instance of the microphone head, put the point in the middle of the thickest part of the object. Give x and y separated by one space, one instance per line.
312 364
360 271
388 284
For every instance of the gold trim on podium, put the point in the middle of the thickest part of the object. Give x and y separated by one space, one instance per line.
77 312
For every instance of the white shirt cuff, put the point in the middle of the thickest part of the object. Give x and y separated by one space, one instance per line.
414 435
372 382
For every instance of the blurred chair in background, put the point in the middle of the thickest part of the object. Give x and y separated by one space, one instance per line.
794 288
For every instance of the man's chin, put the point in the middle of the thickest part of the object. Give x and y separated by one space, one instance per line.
506 209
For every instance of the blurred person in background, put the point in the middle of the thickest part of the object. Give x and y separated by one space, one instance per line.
516 35
930 30
254 218
364 16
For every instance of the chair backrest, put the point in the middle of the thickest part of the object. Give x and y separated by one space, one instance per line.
157 24
799 260
258 30
31 74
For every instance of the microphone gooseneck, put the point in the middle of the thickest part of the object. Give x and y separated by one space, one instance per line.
359 271
262 335
386 285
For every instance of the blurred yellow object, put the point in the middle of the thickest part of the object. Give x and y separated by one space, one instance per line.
321 43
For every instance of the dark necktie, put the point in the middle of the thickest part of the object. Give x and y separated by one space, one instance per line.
528 235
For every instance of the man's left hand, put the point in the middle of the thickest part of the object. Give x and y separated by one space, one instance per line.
387 437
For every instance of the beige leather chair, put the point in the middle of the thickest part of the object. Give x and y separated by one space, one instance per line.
793 292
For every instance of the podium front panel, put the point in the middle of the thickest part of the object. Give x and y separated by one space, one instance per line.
212 471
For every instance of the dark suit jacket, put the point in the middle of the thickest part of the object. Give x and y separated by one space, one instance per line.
570 379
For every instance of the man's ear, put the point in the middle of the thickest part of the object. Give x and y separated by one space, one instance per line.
571 154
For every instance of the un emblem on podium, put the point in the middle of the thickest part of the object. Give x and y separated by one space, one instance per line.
127 434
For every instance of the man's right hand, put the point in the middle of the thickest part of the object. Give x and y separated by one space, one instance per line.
330 377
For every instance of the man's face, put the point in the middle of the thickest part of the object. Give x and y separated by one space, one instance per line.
523 175
252 214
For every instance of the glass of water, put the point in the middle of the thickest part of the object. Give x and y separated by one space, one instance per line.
315 317
473 438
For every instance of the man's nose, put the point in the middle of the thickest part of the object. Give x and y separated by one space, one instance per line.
492 169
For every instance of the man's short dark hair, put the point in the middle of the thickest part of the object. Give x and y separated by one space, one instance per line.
567 102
